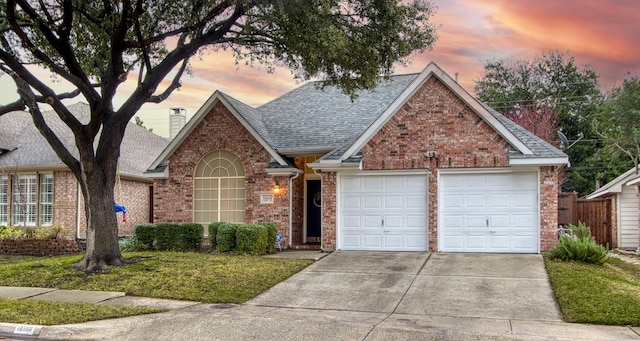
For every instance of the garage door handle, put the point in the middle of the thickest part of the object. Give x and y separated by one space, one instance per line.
382 222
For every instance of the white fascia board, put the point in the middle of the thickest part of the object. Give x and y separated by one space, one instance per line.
633 182
283 171
195 120
613 186
434 70
548 161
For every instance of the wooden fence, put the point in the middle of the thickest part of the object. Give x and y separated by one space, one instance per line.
595 213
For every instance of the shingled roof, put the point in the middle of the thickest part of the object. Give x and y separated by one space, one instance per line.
313 121
25 148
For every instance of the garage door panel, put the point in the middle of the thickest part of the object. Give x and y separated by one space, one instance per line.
393 241
415 202
351 202
524 220
351 240
499 221
416 222
452 201
393 222
489 212
372 221
350 221
372 241
372 202
476 221
476 200
386 212
476 241
393 202
500 200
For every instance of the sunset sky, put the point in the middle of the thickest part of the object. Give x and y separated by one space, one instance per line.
602 34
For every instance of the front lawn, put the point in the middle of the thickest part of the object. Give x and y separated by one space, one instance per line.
597 294
52 313
201 277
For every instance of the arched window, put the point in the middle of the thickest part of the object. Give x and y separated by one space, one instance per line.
219 189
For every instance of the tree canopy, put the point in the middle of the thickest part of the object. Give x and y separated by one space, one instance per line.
94 46
617 121
553 81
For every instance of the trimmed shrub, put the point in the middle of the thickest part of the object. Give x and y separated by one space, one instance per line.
213 231
272 230
145 234
168 236
190 236
226 237
252 239
580 247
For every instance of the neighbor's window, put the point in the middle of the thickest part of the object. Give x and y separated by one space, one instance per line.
219 189
4 199
24 200
46 199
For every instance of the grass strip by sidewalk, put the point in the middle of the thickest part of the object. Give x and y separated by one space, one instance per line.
598 294
202 277
53 313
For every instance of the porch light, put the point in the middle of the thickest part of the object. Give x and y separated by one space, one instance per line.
276 189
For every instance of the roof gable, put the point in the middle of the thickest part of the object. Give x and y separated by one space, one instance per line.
245 114
628 178
433 70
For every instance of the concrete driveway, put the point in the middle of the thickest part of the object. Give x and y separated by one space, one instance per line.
502 286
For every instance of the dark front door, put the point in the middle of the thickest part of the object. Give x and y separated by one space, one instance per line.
314 211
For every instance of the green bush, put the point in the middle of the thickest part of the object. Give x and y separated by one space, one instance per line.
252 239
580 247
226 237
190 237
213 231
146 234
272 230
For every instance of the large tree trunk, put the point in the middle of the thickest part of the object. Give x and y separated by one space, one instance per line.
102 225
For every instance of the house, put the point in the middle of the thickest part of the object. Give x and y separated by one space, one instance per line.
37 189
623 192
417 164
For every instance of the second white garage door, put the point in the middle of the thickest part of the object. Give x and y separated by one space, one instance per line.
383 213
489 212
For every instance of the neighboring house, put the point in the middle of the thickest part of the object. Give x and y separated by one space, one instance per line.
417 164
37 189
623 192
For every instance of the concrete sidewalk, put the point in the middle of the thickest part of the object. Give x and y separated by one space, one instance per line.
249 322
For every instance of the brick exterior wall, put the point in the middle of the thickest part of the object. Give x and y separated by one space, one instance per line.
220 130
434 119
329 218
38 247
548 208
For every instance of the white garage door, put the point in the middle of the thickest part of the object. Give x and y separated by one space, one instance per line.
489 212
384 213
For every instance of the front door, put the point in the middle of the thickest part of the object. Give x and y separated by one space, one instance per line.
314 211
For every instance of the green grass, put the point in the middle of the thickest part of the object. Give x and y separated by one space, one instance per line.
52 313
202 277
598 294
